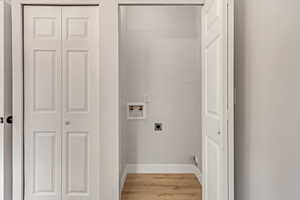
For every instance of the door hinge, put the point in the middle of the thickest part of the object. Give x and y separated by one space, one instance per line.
229 2
228 115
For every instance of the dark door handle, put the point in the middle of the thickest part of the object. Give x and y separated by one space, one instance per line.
1 120
9 120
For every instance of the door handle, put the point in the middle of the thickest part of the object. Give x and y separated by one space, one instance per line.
9 120
67 123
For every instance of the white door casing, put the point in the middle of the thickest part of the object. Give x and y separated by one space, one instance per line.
2 99
215 99
61 113
5 102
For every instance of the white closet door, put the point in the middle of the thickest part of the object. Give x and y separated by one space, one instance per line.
80 99
43 107
61 102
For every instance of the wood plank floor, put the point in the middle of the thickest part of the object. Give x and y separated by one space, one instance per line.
161 187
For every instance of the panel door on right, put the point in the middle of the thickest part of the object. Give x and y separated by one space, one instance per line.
214 94
61 102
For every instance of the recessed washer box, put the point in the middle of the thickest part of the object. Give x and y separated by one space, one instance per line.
136 111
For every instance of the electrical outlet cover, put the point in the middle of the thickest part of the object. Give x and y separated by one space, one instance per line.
158 127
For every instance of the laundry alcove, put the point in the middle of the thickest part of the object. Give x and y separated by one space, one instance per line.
160 66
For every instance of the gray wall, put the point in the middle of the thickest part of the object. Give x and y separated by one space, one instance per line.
162 59
268 114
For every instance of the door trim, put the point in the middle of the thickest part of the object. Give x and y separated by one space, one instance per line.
2 164
161 2
108 94
5 67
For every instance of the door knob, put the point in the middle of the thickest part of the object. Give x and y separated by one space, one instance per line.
219 132
67 123
9 120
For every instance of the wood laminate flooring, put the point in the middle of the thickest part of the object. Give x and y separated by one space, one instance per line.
161 187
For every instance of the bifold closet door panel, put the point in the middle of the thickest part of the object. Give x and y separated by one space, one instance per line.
61 102
80 99
43 107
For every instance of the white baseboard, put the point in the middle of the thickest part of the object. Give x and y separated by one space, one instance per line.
123 179
160 169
